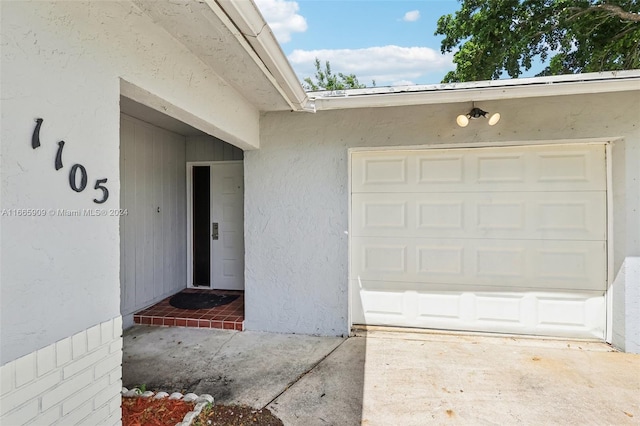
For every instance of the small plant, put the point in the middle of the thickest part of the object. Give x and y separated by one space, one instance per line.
201 420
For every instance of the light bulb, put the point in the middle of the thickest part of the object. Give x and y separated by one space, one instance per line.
462 120
493 120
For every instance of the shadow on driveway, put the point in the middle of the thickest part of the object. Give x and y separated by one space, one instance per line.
250 368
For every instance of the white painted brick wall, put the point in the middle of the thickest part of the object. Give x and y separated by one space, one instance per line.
74 381
46 360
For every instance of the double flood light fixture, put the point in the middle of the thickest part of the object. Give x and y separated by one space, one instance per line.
463 119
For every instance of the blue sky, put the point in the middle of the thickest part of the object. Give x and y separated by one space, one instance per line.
391 42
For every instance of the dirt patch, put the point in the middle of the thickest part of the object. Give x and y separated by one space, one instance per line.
236 415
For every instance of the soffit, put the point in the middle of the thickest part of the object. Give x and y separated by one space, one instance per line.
214 39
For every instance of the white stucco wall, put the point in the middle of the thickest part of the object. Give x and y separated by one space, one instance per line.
296 199
626 326
63 62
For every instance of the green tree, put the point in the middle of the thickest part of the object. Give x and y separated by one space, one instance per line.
497 36
325 79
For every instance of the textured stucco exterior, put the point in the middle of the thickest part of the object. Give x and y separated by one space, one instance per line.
64 62
296 202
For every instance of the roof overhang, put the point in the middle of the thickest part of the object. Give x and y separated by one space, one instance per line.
233 39
572 84
258 34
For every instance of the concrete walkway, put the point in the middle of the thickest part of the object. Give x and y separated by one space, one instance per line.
392 378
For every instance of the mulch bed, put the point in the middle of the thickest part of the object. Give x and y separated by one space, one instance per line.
138 411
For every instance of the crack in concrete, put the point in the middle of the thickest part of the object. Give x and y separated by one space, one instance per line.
224 344
297 379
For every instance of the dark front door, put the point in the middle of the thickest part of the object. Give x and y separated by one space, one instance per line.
201 224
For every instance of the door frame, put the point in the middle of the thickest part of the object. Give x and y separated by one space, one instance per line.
189 170
606 142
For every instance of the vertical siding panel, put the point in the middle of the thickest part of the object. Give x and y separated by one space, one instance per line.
206 150
148 212
227 152
218 151
180 188
133 233
238 154
123 221
127 233
139 213
203 148
191 148
172 225
165 217
176 235
197 148
158 276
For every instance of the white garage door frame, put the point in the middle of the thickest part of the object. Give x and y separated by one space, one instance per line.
606 142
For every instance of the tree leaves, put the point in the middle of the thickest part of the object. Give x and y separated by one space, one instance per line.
326 80
494 37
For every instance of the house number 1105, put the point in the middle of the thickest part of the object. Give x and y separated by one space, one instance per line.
77 174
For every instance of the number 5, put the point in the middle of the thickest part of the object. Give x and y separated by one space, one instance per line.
105 191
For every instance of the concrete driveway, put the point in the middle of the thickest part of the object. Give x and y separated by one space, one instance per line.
392 378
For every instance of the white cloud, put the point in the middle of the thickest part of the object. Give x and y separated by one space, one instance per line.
387 65
282 17
411 16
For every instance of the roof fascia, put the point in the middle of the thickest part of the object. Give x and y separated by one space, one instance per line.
258 37
478 91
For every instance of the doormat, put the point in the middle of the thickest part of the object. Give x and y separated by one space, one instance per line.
200 300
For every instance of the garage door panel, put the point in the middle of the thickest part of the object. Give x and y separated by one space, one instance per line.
493 168
445 169
532 264
533 168
444 215
499 262
389 214
440 260
570 166
384 171
505 215
383 257
540 313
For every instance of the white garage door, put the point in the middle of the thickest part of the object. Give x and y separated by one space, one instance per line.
508 240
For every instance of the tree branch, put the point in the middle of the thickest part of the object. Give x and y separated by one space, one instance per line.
609 9
619 12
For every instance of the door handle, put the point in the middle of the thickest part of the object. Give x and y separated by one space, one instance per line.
214 230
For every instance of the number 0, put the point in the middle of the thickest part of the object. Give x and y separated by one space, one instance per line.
73 178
